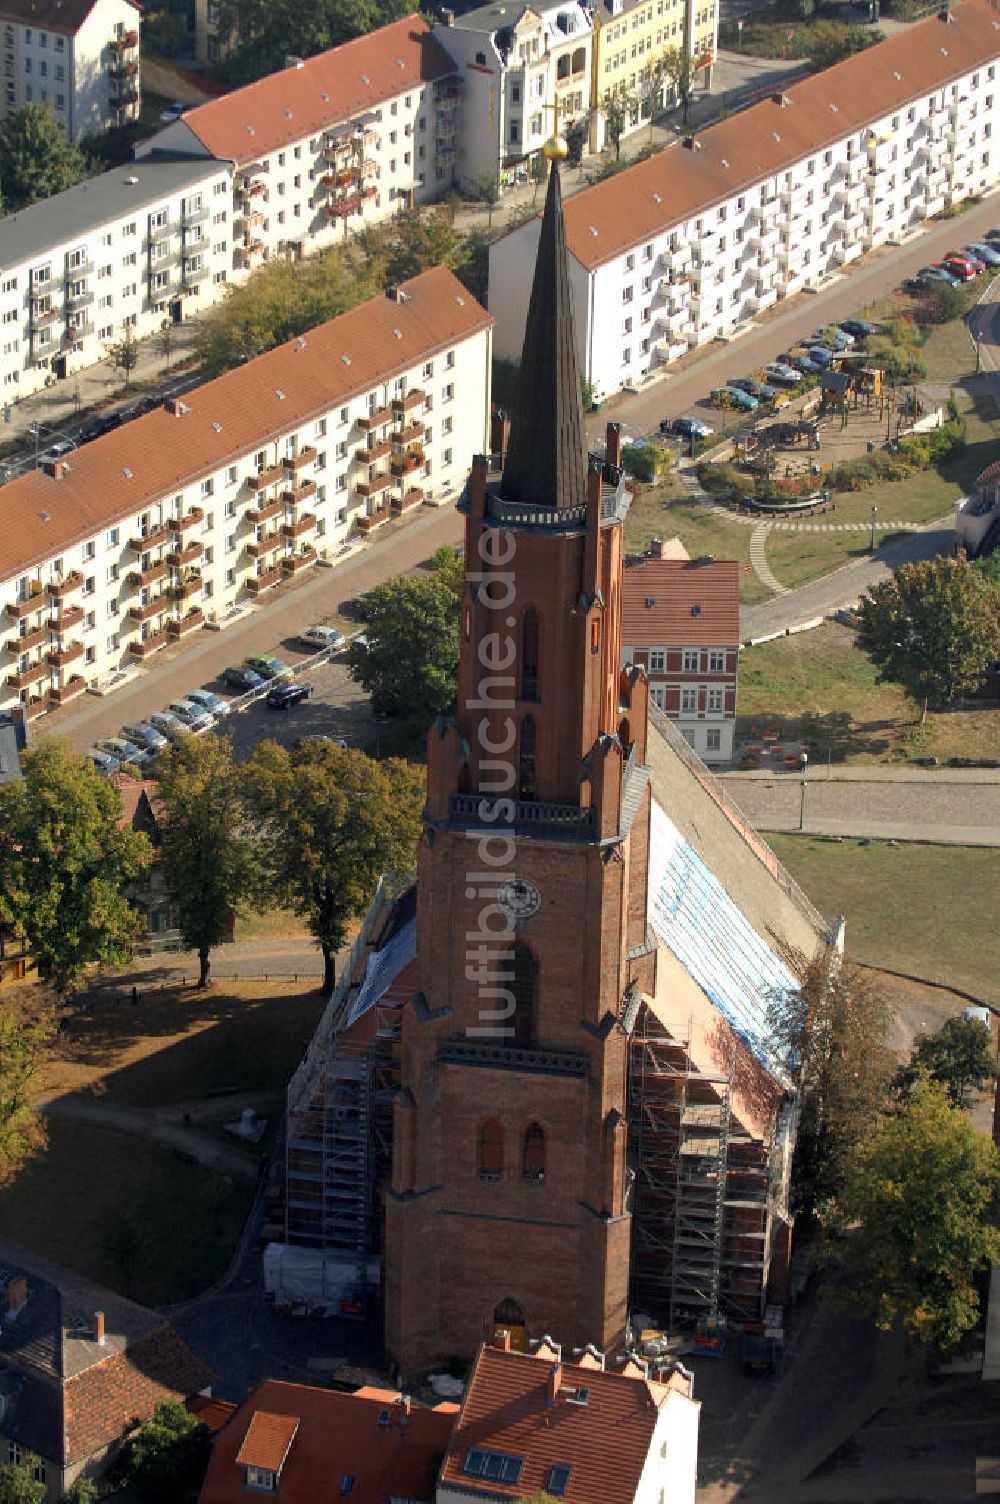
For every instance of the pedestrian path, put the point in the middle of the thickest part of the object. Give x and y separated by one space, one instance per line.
758 558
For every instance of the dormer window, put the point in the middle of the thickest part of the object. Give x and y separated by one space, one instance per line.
262 1479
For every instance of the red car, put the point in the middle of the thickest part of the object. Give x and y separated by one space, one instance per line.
959 266
968 259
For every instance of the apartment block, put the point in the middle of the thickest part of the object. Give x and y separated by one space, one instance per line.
631 38
515 67
689 245
143 536
331 145
80 57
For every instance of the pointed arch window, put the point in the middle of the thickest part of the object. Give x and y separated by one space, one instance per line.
533 1153
529 655
522 978
527 758
489 1150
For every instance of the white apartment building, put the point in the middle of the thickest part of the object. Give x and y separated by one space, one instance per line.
692 243
80 57
143 536
328 146
515 64
143 244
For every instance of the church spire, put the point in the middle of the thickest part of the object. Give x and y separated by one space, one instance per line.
546 460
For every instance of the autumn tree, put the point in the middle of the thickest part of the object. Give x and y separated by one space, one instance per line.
834 1028
66 861
163 1460
616 105
124 355
919 1201
207 854
412 242
18 1484
36 158
408 662
679 71
960 1057
268 31
29 1019
933 628
331 822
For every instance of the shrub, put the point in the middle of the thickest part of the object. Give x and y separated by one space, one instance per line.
723 480
641 460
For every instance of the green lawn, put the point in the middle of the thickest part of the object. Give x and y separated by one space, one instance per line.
819 684
662 511
68 1203
929 911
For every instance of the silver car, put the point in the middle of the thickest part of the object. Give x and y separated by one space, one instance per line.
171 726
144 736
195 717
317 638
214 704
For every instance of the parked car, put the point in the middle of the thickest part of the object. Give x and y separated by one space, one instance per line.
126 752
145 736
687 428
965 258
799 361
731 396
193 716
173 112
98 427
987 254
937 273
834 337
781 374
860 328
822 355
242 679
60 448
214 704
317 638
284 696
963 271
758 389
171 725
103 762
267 666
992 235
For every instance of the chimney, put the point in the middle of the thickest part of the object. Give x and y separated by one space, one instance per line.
405 1405
554 1382
294 62
56 468
503 1342
99 1328
613 445
448 17
397 294
17 1297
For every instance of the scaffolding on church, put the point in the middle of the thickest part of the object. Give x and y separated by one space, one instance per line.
700 1189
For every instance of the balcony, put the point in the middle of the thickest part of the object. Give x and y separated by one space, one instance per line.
342 207
295 462
304 524
37 638
123 99
405 464
263 514
259 548
292 563
145 647
409 433
125 43
143 577
370 454
59 657
299 493
191 518
375 486
59 589
178 557
196 216
155 607
411 498
146 541
42 317
258 583
33 602
78 300
412 400
61 693
30 675
376 419
183 588
368 523
265 478
187 623
124 68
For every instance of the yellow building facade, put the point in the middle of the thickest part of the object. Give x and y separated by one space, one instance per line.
631 38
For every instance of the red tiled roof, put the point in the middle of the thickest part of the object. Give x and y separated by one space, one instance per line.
337 1434
105 1399
113 477
132 792
676 587
212 1413
267 1440
297 102
678 184
604 1442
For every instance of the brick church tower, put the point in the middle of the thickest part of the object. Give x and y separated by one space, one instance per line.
508 1206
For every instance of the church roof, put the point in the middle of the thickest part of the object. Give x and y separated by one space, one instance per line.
546 460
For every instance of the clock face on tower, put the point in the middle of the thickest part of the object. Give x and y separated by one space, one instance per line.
519 898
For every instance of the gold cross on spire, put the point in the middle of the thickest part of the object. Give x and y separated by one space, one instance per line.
555 147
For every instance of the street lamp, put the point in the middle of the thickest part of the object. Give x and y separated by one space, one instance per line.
874 516
803 764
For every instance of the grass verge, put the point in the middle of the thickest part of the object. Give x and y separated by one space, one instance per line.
917 909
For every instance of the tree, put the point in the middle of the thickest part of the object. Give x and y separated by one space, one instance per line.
17 1482
616 104
124 354
678 69
36 158
834 1028
331 822
575 136
28 1022
415 240
958 1057
488 188
409 660
164 1459
651 92
83 1491
921 1187
267 31
165 342
207 854
66 861
934 629
538 171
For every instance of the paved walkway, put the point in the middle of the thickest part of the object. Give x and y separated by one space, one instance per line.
150 1124
758 558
